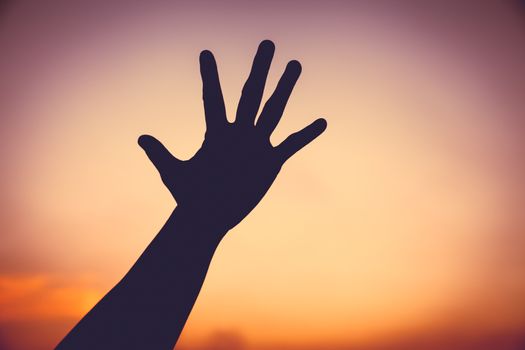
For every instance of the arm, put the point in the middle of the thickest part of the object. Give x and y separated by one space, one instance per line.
147 309
214 190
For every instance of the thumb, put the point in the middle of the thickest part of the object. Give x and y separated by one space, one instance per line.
158 154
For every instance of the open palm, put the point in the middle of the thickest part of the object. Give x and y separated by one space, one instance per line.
236 164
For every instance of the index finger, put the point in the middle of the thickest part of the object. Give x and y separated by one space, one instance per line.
214 109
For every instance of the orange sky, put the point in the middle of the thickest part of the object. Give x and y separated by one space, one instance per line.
401 227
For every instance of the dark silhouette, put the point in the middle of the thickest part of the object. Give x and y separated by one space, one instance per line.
214 190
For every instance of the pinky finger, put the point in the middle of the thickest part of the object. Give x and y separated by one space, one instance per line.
298 140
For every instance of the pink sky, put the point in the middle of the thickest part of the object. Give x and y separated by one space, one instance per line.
403 225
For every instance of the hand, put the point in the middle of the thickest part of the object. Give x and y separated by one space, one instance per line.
236 164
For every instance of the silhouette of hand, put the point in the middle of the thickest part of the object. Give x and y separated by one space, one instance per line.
236 164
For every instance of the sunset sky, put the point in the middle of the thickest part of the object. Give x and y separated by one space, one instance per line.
401 227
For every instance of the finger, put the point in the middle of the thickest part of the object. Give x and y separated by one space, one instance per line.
254 87
158 154
214 109
298 140
274 107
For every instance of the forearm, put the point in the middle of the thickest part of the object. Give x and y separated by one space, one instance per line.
147 309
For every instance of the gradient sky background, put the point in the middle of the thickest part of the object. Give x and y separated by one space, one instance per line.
402 227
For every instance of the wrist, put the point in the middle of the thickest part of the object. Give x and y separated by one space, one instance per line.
195 228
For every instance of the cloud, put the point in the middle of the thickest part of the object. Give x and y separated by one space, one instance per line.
43 297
